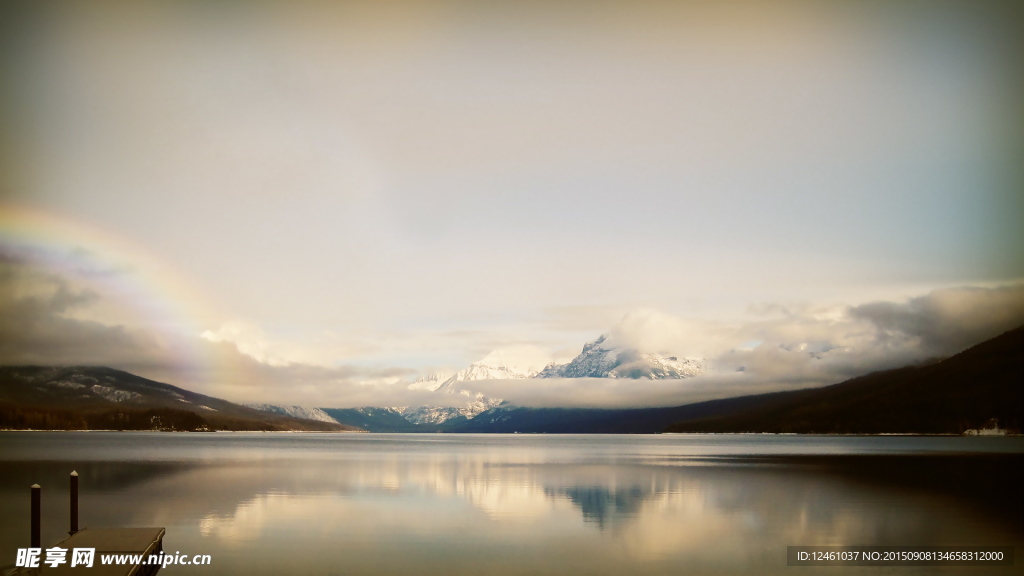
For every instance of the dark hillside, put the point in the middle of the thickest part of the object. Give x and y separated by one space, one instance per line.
963 392
95 397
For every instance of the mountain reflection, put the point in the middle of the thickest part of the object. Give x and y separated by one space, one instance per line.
600 504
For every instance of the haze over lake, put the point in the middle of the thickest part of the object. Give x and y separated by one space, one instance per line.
517 504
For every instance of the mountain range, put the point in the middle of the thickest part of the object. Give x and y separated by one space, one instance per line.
980 388
599 359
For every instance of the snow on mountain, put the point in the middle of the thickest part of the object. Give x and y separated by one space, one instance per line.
295 411
430 414
597 360
476 403
431 381
113 394
490 368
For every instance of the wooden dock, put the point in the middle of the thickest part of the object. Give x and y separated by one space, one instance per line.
84 551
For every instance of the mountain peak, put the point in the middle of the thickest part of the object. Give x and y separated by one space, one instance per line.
490 368
431 381
597 360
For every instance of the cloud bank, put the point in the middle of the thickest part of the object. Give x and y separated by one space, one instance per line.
60 316
53 317
783 347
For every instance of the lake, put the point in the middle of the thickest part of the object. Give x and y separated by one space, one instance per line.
349 504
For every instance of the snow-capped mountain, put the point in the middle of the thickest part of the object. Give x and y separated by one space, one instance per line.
471 402
295 411
435 414
490 368
599 360
431 381
476 403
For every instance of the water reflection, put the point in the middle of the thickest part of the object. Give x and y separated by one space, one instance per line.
450 507
600 504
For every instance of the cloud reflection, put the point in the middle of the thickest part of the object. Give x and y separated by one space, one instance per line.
496 505
643 513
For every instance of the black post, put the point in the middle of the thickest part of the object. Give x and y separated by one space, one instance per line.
74 503
36 489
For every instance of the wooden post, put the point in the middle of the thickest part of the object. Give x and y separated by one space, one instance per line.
36 490
74 503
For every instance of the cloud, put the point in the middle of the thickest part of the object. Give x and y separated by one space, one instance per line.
651 330
241 378
783 347
946 321
249 340
38 323
620 392
54 316
518 355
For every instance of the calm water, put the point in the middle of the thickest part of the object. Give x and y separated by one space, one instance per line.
350 504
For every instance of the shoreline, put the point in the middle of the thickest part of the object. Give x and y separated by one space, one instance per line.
852 435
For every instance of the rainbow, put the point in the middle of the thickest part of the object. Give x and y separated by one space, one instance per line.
144 291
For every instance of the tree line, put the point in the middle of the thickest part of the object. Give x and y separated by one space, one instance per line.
17 417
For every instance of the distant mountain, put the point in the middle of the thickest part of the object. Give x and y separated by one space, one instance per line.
971 390
430 381
517 419
968 391
377 419
599 360
92 397
442 414
964 392
294 411
490 368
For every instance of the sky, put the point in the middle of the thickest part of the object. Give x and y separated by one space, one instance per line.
318 202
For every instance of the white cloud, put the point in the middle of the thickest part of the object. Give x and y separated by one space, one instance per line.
651 330
946 321
50 317
529 357
788 347
250 340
